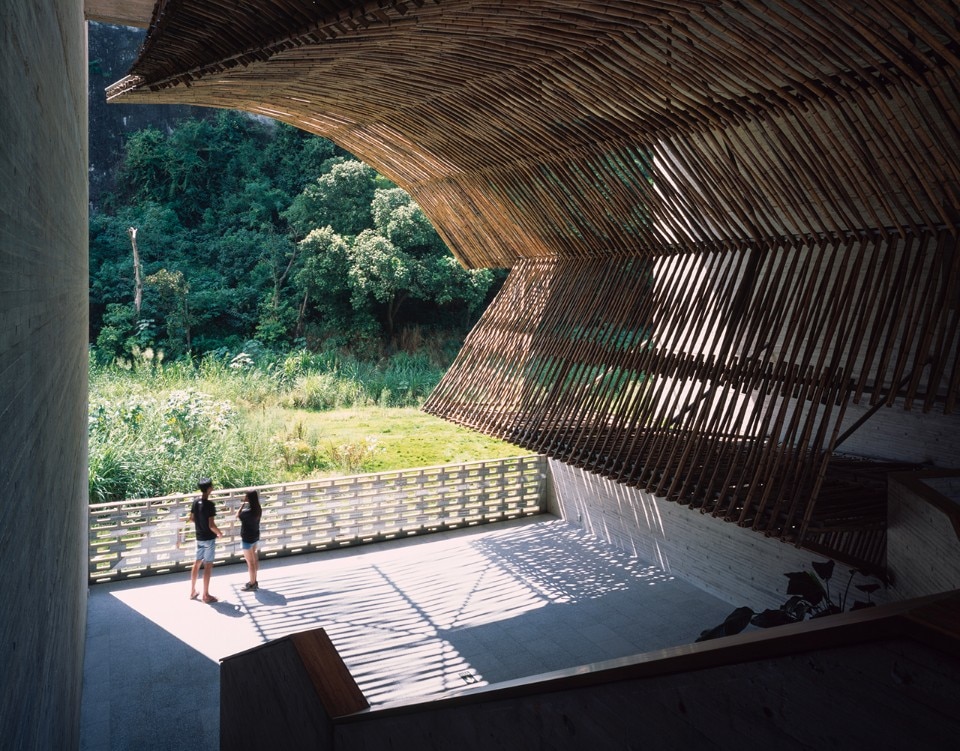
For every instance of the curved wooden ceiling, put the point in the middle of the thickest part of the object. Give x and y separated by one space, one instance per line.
727 220
119 12
527 129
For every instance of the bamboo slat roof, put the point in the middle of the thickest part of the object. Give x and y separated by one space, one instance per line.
119 12
528 128
727 219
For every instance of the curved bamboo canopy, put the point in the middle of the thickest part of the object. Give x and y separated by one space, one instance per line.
727 220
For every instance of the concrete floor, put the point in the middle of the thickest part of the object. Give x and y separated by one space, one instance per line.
419 617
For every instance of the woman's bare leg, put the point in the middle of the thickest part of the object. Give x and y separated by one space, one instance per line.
250 556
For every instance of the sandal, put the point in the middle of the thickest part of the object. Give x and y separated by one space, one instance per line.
194 596
210 599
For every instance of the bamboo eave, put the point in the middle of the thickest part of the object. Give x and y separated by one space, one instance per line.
766 192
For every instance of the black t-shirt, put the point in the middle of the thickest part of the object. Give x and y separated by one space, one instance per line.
203 511
249 526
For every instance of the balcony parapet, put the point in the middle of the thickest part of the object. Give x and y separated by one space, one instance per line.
151 536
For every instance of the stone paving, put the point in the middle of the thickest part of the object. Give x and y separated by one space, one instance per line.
420 617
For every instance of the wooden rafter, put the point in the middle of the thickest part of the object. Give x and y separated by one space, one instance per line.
727 220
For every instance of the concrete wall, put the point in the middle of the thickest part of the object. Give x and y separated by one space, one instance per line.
43 371
894 434
884 695
733 563
923 537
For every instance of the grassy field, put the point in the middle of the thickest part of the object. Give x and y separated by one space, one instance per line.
399 437
154 430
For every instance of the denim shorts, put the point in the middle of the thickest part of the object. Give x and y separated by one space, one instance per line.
206 549
248 545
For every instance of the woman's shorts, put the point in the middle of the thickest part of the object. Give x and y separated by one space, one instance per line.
206 549
249 545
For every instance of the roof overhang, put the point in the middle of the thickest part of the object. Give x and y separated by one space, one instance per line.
119 12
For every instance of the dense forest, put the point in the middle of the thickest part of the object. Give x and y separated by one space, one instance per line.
263 305
225 229
248 231
248 283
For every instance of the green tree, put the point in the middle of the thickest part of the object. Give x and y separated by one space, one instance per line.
161 239
207 199
398 218
171 288
403 259
282 236
277 312
143 173
379 252
293 159
118 334
340 198
323 279
381 272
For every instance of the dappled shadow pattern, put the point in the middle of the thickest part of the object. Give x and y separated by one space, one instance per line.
505 604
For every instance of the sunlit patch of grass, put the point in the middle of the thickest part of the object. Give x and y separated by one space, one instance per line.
405 436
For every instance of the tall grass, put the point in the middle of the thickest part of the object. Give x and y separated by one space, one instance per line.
155 442
155 427
402 381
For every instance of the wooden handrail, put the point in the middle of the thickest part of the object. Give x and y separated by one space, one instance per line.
916 483
335 686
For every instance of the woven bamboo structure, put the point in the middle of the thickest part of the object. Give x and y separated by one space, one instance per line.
726 220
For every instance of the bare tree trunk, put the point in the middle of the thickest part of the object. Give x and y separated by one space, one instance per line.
278 281
303 314
186 320
393 307
137 280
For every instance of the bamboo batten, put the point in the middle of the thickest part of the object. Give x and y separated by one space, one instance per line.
726 220
768 117
715 379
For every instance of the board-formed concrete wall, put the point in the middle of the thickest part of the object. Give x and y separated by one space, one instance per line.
923 549
735 564
43 371
890 694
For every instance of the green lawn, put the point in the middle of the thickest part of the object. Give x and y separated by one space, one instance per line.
404 437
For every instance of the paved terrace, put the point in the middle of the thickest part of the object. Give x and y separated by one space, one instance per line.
425 616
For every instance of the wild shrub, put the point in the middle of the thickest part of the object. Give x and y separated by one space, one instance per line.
148 445
352 458
155 426
408 379
298 453
317 391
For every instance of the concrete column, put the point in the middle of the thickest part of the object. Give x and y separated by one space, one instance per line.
43 371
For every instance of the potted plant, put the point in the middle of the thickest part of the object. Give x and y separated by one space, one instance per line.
808 597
